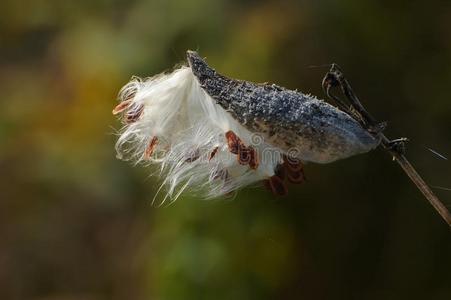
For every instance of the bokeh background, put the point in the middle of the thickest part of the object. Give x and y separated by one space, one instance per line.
76 223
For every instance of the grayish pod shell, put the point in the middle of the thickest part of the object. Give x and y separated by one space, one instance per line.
301 125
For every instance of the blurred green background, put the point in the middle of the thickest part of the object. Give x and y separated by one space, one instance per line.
76 223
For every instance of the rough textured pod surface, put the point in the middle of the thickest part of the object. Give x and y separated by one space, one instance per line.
299 124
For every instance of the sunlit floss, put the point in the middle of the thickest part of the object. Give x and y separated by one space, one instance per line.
212 135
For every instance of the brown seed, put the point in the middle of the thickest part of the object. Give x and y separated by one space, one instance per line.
121 107
296 176
151 148
134 114
213 153
294 170
281 171
233 142
253 163
244 155
277 186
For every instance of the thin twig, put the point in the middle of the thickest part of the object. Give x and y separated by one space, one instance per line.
417 180
335 78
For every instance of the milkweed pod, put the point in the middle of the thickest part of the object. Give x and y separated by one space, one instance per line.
194 107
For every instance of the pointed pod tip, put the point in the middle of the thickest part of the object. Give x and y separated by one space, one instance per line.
192 56
191 53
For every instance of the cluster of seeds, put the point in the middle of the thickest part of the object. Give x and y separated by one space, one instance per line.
290 169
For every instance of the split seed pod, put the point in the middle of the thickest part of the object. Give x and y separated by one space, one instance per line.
235 127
